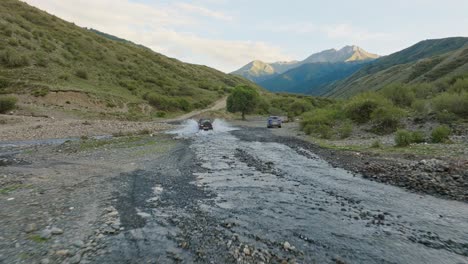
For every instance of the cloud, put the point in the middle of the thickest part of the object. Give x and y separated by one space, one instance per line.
335 31
204 11
165 28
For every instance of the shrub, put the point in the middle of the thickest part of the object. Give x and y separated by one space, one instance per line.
456 103
418 137
11 58
440 134
386 119
7 103
376 144
4 83
460 85
345 130
403 138
82 74
64 77
184 105
446 117
420 106
399 94
321 121
299 107
41 92
361 107
161 114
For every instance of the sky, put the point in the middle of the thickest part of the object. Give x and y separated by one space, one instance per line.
227 34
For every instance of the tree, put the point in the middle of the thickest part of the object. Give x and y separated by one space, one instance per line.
243 99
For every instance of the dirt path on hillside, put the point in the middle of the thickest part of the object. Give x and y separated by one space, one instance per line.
218 105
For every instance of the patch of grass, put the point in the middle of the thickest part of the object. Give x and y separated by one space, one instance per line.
82 74
37 238
376 144
12 188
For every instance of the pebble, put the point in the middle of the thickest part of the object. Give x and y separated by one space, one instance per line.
45 234
246 251
76 259
56 231
45 261
63 252
30 228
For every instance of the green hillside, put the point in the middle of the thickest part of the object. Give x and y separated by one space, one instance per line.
43 56
311 78
426 61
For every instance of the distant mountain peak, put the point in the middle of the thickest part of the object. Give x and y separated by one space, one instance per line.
259 71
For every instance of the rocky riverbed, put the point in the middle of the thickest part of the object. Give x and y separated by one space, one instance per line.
233 195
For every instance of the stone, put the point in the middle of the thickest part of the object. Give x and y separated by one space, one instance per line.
246 251
78 244
56 231
75 259
44 261
45 234
30 228
62 252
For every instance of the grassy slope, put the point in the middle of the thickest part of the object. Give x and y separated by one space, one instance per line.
310 78
40 52
426 61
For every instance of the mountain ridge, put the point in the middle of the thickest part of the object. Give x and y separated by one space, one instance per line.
258 71
426 61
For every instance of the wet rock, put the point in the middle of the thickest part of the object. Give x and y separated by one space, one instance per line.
288 246
44 261
45 234
75 259
30 228
56 231
246 251
63 252
78 243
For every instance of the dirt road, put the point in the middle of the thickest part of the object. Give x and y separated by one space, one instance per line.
224 196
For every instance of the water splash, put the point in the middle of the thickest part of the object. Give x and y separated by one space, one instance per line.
189 128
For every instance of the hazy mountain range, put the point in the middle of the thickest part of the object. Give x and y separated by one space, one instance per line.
350 70
301 76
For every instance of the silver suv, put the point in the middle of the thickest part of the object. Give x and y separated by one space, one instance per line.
274 121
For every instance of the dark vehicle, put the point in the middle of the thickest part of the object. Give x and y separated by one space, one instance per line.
274 121
205 124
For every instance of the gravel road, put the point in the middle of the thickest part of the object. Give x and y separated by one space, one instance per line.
222 196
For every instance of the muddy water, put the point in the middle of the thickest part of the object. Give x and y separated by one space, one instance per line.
279 194
223 184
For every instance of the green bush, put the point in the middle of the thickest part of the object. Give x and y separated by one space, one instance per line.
399 94
12 59
456 103
7 103
161 114
440 134
403 138
345 130
418 137
321 121
421 106
376 144
82 74
299 107
460 85
386 119
184 105
361 107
